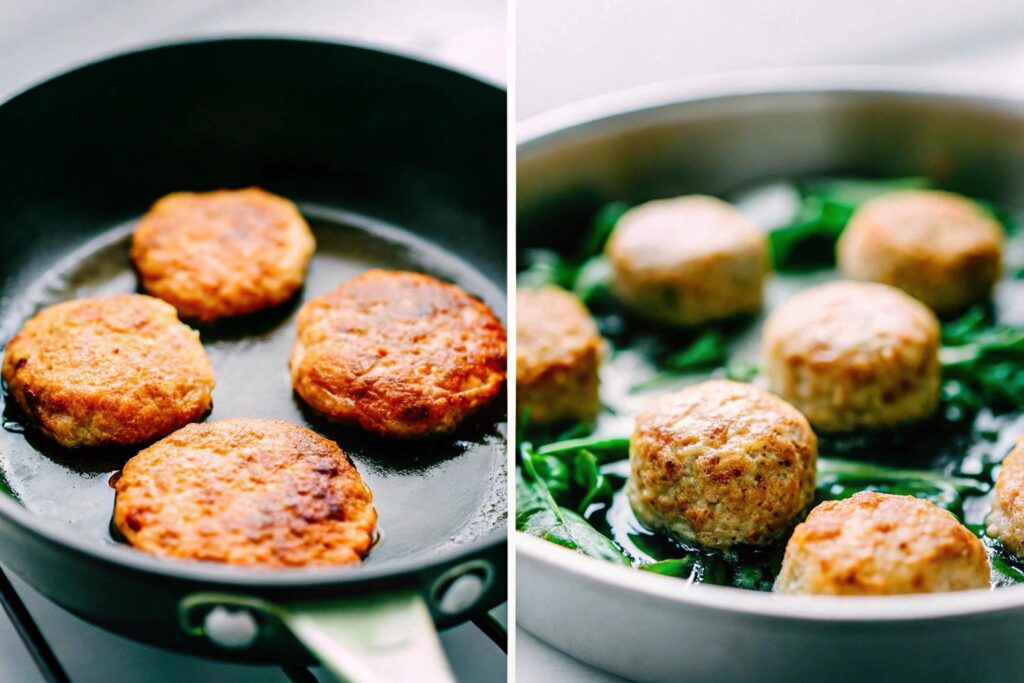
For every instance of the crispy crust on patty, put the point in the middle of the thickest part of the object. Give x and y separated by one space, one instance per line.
881 544
247 492
721 463
225 253
108 370
558 353
403 354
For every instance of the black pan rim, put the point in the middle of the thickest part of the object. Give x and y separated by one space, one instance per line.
229 37
231 578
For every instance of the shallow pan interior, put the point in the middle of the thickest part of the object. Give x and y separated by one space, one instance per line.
725 137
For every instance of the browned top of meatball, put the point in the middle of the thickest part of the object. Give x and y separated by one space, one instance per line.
223 253
852 324
661 235
247 492
722 462
929 224
108 370
403 354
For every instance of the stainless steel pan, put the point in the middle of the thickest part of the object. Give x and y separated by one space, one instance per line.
715 136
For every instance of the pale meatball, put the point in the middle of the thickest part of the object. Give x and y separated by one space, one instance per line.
1006 521
558 355
854 355
938 247
879 544
688 260
721 463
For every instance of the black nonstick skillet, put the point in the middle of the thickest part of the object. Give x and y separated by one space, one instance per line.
396 164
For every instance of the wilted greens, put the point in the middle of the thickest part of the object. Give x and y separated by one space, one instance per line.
571 485
982 365
588 273
566 487
545 485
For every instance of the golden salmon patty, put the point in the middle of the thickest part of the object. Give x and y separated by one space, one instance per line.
218 254
402 354
248 492
108 370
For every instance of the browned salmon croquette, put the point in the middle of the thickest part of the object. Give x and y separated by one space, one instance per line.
249 492
108 370
881 544
403 354
225 253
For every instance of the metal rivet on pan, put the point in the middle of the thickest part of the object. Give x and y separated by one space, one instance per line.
461 587
230 629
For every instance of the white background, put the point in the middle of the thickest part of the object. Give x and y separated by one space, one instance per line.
41 38
568 50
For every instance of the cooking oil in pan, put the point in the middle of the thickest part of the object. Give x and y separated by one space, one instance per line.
429 493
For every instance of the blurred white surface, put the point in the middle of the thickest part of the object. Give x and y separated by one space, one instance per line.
569 50
41 38
574 49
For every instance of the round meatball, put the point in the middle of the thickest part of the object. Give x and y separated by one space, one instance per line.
1006 521
721 463
113 370
226 253
879 544
403 354
688 260
558 353
939 247
854 355
248 492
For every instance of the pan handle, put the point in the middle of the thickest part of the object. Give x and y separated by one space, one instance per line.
373 639
369 639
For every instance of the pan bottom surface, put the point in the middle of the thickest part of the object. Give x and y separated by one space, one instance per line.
430 494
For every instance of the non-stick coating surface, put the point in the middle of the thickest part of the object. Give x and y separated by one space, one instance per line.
430 494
